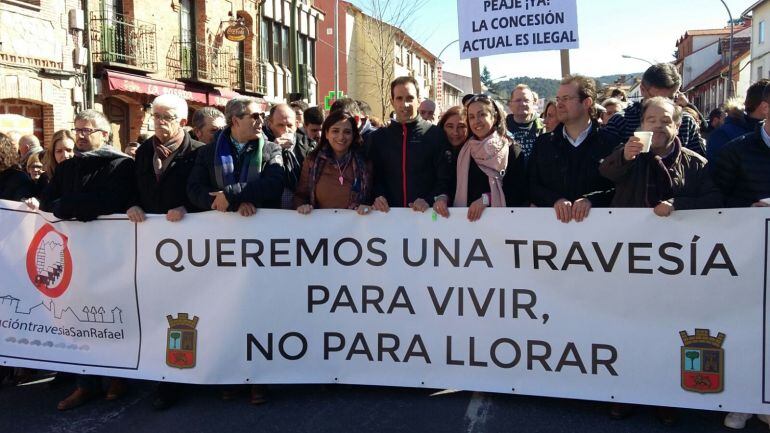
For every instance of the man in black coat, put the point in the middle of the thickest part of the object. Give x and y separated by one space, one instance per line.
741 171
97 181
564 166
240 171
281 129
410 169
164 162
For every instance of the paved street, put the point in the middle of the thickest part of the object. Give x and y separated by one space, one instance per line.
337 408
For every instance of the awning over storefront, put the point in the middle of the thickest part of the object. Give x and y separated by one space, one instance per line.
138 84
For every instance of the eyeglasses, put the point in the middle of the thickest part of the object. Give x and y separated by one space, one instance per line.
85 132
254 116
164 117
565 99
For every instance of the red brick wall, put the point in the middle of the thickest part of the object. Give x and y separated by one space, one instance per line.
325 50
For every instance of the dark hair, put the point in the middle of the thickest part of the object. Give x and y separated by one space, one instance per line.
313 115
467 98
452 111
9 157
346 104
302 105
755 95
495 108
403 81
717 112
586 89
333 118
364 108
547 106
662 76
618 93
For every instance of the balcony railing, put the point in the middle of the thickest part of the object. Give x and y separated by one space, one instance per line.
119 39
197 61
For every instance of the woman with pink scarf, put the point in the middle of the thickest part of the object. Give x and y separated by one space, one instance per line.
490 167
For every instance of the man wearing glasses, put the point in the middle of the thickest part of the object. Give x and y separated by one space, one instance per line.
658 80
523 122
241 171
97 181
564 166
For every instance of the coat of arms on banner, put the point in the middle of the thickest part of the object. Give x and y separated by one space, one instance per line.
703 362
181 341
49 263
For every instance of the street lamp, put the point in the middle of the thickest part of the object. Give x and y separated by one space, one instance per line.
626 56
729 83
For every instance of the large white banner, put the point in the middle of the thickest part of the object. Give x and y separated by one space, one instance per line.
488 27
624 307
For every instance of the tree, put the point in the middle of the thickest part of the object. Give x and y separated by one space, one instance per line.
383 43
692 355
486 77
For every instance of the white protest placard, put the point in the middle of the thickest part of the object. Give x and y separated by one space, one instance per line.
624 306
489 27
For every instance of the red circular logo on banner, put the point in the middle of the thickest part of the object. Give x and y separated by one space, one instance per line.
49 263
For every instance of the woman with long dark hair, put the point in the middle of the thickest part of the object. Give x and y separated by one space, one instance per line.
335 174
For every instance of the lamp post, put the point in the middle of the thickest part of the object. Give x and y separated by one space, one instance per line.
729 82
626 56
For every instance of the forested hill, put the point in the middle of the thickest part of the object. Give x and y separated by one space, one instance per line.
546 88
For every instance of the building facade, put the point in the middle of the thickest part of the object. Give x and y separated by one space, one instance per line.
703 60
40 82
377 53
141 49
759 13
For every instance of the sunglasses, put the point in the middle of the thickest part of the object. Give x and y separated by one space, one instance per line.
255 116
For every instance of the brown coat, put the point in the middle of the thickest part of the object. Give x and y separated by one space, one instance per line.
329 194
693 187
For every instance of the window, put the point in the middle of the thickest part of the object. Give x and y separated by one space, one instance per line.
302 50
285 46
276 43
311 57
186 21
264 40
761 35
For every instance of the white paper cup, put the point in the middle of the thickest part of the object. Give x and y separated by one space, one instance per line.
646 137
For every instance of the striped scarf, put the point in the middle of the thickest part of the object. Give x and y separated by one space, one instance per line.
224 163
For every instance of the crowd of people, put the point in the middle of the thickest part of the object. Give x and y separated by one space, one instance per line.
583 151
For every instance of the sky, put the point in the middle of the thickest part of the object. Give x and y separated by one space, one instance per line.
607 30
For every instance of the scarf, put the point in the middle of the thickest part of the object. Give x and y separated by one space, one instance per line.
491 155
660 185
250 159
360 189
105 150
161 160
